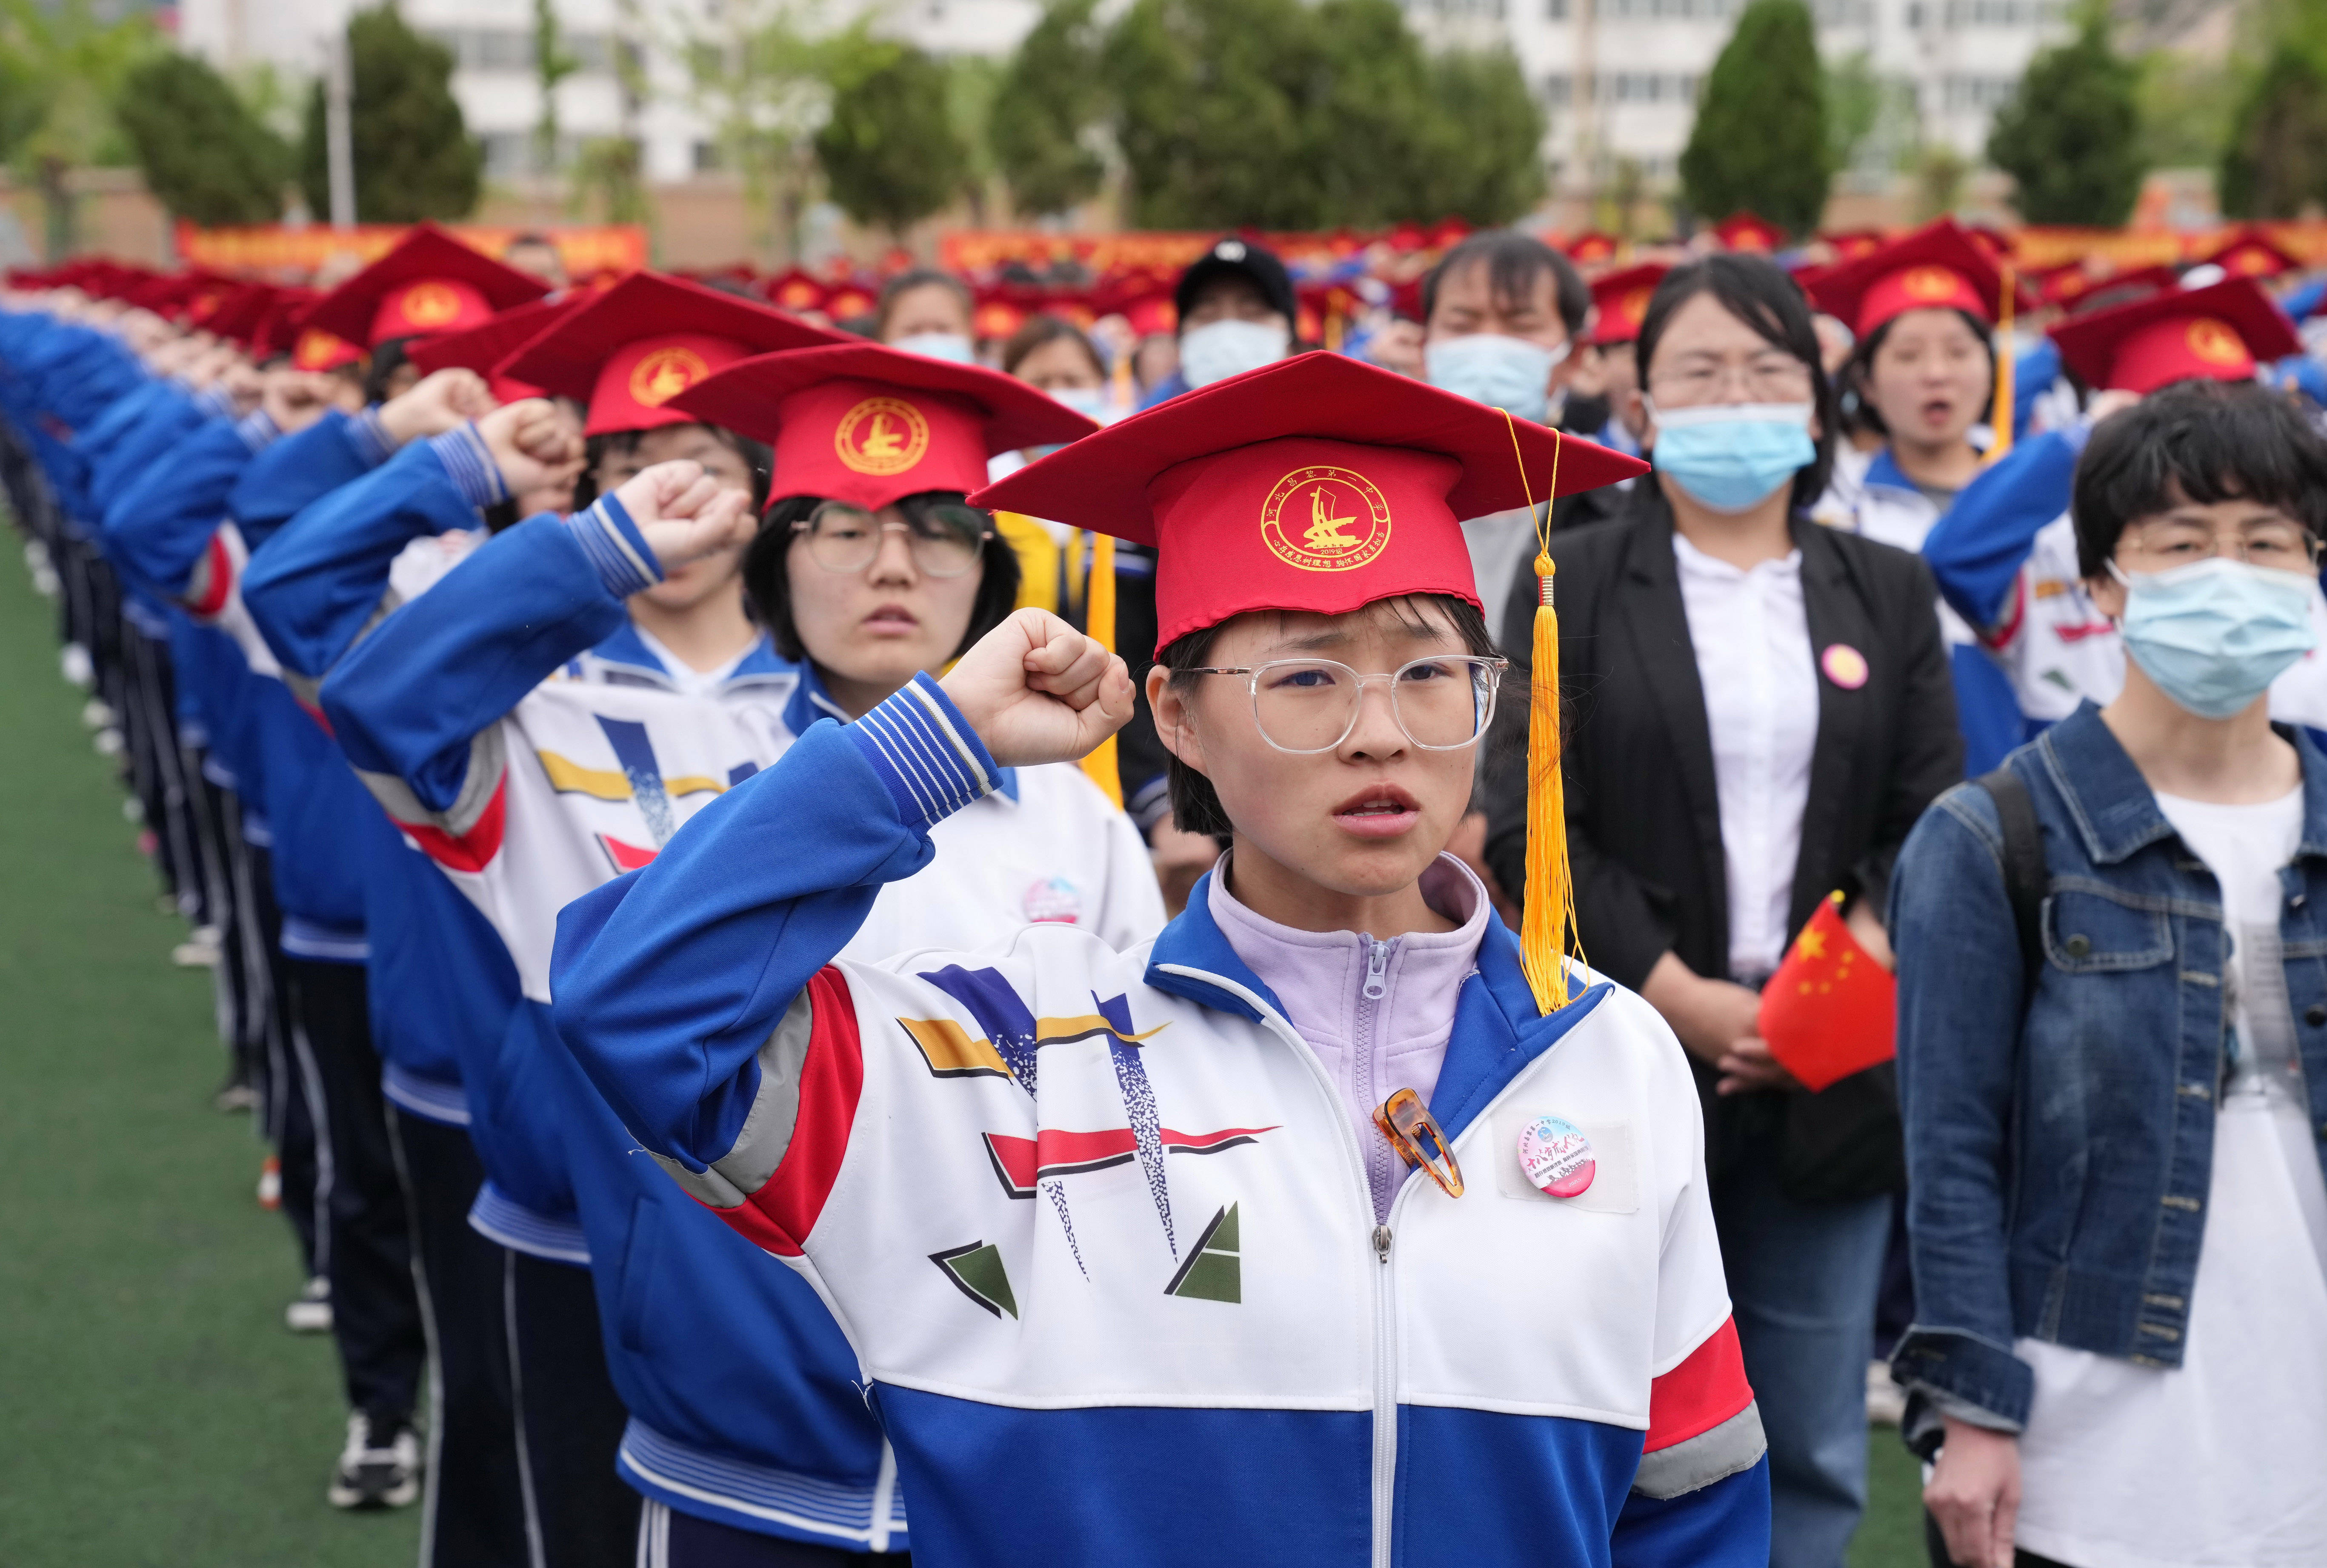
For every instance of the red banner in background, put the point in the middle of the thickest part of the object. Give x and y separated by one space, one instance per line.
270 250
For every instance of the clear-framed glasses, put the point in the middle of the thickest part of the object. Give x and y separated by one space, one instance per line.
1415 1135
2280 544
1442 702
946 537
1695 380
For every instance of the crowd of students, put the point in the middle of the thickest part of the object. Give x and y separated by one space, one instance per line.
837 957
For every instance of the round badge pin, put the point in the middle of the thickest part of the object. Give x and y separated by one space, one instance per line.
1557 1156
1844 665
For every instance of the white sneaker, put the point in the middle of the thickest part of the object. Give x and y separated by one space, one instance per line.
377 1469
109 743
76 665
310 1311
94 713
1886 1402
200 950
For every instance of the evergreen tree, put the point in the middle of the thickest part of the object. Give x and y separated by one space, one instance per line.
2071 136
206 156
889 152
2276 159
1492 169
1760 143
1048 101
413 155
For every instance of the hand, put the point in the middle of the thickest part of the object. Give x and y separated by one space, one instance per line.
1866 930
294 399
244 383
434 405
1036 690
209 364
683 513
1974 1494
1747 1064
1710 1016
534 443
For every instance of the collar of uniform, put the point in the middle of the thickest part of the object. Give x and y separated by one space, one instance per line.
628 651
810 702
2112 805
1883 469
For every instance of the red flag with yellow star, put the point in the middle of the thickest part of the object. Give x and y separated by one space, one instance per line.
1830 1010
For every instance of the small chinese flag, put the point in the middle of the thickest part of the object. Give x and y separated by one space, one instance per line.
1829 1011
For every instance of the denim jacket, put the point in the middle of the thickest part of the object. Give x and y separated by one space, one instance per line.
2058 1160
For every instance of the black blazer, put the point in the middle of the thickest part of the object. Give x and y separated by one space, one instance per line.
1643 821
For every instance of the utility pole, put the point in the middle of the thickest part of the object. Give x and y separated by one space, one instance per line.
338 140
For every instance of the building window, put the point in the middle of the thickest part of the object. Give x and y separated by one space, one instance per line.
1984 93
707 160
1555 9
508 154
506 49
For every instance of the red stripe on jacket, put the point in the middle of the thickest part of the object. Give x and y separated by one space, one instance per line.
470 851
220 587
780 1215
1705 1390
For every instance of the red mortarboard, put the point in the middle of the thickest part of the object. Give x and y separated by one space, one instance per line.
484 349
242 313
848 301
1318 482
1850 244
1992 242
1937 267
2216 333
2247 252
631 350
2124 287
1623 301
1591 247
430 284
796 290
869 426
1750 232
1000 311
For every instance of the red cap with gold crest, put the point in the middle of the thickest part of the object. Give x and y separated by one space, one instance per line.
285 331
2217 334
796 289
871 426
1750 232
1937 267
429 284
630 351
485 348
1591 249
2247 251
1622 299
1850 244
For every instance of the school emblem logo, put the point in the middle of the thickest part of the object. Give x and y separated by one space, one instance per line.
1325 519
1929 282
2249 262
314 350
882 435
2214 343
1633 308
664 374
430 304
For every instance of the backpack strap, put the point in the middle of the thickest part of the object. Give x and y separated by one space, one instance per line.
2024 875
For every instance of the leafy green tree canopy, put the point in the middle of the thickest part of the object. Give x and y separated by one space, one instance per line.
889 151
2276 157
1761 141
2070 136
413 155
1045 109
206 156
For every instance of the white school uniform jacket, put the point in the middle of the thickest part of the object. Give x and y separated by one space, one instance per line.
1099 1227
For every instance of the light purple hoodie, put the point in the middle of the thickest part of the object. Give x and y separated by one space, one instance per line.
1376 1013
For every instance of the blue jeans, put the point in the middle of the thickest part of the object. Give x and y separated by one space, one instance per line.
1802 1281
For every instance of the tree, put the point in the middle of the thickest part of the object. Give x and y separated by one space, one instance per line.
889 152
413 155
552 62
2276 157
2070 135
1489 168
206 157
62 68
1046 108
1760 141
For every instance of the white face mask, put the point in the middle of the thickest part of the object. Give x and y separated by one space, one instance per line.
1219 350
1090 402
951 346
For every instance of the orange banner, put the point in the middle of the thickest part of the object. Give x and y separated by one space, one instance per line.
271 249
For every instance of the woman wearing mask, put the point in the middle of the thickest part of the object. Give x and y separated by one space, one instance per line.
1234 310
1769 713
928 313
1126 1252
2117 1208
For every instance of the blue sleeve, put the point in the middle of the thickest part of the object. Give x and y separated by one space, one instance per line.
141 447
1977 550
438 672
668 981
157 529
1724 1524
106 433
320 577
337 449
1958 1054
2032 373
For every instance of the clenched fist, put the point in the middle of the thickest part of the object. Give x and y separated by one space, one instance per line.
534 443
1036 690
684 514
434 405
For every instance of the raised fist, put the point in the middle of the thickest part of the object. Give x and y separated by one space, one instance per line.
294 399
434 405
684 514
534 442
1036 690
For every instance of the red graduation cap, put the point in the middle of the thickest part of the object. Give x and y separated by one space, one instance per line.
1623 298
1143 300
1750 232
1991 241
1318 482
629 351
1591 247
2123 288
2249 252
870 425
1937 267
849 302
430 284
2216 333
1850 244
485 348
795 289
239 316
1000 311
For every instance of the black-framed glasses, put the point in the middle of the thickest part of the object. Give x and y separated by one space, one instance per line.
946 537
1442 702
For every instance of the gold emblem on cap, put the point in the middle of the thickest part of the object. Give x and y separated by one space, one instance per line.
882 435
664 374
430 304
314 346
2214 343
1325 519
1929 282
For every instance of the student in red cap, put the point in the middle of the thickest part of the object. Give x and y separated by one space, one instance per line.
1130 1244
1609 373
429 284
927 312
550 713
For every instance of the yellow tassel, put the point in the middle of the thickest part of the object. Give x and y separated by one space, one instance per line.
1547 928
2007 368
1099 622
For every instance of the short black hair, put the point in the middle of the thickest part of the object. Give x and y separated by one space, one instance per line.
1513 261
2196 441
387 358
905 282
1757 292
622 442
1042 328
1195 804
1858 370
767 574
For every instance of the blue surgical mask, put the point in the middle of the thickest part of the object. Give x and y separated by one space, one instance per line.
1732 456
1501 372
1219 350
1090 402
951 346
2214 634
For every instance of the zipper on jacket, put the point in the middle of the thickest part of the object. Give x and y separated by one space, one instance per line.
1376 1156
1376 969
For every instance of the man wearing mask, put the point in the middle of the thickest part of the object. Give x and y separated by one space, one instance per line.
1235 307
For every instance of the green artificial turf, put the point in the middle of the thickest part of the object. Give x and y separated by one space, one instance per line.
154 1411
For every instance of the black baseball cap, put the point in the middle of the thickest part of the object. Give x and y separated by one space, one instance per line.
1244 258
